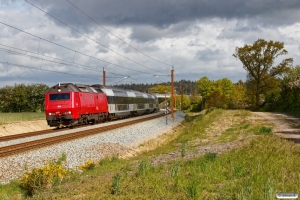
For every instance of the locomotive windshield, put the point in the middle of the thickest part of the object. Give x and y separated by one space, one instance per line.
63 96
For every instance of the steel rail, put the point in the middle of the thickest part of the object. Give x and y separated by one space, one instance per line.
26 146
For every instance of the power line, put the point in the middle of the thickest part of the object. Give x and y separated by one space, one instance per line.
18 65
72 49
115 35
72 63
38 58
68 62
89 37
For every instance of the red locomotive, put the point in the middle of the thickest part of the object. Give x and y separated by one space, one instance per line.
69 104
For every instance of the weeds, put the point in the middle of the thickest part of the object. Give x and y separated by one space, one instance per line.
192 190
63 158
174 170
144 167
183 149
89 165
115 188
210 156
263 130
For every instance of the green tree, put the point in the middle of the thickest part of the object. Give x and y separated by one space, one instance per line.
258 59
238 98
161 89
23 98
216 99
206 87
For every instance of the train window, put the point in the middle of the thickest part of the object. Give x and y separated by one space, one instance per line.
110 100
61 96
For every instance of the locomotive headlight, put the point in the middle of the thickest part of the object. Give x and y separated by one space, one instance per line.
68 113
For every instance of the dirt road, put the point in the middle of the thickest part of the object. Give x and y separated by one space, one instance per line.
285 125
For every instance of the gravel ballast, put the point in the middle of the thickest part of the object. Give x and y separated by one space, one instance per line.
95 147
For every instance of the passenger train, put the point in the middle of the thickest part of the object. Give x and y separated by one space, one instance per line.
68 104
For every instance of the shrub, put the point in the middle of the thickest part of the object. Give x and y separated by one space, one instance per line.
87 165
42 177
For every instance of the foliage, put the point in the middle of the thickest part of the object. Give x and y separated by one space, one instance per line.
286 97
23 98
238 98
42 177
258 59
160 89
88 165
215 93
188 86
116 184
216 99
206 87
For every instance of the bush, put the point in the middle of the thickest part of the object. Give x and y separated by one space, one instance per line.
42 177
87 165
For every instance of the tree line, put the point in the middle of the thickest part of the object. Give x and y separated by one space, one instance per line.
23 98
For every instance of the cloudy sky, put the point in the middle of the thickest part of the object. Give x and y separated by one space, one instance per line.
137 41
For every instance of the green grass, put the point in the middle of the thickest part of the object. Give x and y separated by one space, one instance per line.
25 116
264 165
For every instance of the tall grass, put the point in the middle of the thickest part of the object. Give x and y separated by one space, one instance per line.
24 116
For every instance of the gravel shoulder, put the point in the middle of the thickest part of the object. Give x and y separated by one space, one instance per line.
96 147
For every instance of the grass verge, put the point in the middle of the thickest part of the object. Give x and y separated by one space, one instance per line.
24 116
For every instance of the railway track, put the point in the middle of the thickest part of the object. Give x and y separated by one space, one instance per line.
26 146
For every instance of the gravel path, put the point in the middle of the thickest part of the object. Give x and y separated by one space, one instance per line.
286 126
95 147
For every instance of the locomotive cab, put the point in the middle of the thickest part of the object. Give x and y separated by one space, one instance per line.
62 105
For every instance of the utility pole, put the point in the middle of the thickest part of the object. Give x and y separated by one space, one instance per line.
104 77
172 93
166 107
181 97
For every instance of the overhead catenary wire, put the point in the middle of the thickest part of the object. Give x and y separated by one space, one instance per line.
115 34
35 68
43 59
69 63
18 65
90 37
73 49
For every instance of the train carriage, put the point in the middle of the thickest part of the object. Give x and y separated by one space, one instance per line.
124 103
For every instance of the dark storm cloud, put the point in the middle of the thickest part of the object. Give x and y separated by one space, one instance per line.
162 13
